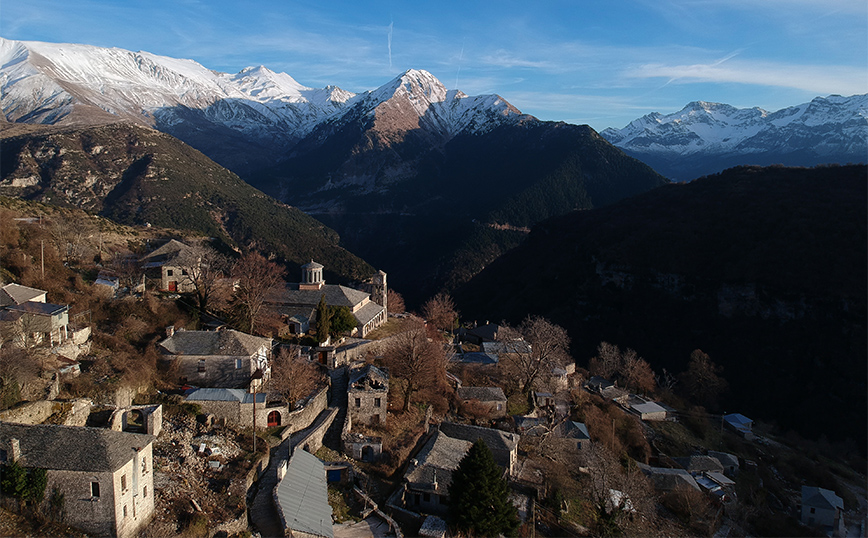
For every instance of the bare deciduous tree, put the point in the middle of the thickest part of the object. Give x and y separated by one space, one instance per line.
395 301
254 278
204 267
702 380
72 236
548 348
622 498
440 312
636 372
416 359
293 376
607 362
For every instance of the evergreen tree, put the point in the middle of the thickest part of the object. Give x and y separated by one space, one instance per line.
479 498
323 320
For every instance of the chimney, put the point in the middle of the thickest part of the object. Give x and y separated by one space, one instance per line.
435 479
14 449
170 331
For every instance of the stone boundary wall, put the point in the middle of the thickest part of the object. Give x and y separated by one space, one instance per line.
29 413
75 412
313 440
259 467
302 418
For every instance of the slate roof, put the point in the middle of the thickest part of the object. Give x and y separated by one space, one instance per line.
512 346
225 395
40 309
573 430
302 496
647 408
335 295
368 312
738 421
668 479
475 357
164 254
73 448
726 459
440 455
17 294
224 343
821 498
495 439
483 394
698 463
599 383
487 332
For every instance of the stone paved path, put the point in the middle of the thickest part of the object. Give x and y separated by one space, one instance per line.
263 513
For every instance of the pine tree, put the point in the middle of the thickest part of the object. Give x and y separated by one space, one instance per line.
479 498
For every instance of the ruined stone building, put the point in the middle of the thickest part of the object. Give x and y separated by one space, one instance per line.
106 477
368 394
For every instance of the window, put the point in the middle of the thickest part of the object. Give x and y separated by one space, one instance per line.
94 490
123 482
416 498
376 402
500 407
201 366
238 364
145 491
426 496
144 466
184 272
813 510
358 402
170 272
125 510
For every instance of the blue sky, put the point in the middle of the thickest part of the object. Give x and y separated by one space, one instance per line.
603 63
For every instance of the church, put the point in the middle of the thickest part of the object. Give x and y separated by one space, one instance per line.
297 302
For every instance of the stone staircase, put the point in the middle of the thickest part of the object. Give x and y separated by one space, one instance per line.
337 399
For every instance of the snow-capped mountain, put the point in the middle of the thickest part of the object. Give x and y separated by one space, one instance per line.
235 118
705 137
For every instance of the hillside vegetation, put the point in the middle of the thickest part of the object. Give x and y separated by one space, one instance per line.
138 176
764 269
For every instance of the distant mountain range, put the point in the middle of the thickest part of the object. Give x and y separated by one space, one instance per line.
764 269
427 183
705 138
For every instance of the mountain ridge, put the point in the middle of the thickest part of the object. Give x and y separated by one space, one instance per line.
705 137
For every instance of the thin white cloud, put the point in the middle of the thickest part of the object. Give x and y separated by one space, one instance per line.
811 78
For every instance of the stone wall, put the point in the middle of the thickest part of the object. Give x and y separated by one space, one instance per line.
29 413
313 440
300 419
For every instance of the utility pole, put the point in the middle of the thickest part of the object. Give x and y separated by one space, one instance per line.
42 243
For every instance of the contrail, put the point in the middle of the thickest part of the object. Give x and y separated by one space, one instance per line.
460 57
391 25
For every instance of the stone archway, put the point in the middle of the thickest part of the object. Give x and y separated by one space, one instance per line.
274 419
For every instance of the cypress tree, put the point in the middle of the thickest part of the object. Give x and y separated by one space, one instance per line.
323 320
479 497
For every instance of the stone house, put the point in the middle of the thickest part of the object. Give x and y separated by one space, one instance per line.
740 424
226 359
503 445
28 320
235 407
106 477
574 433
166 265
368 395
427 480
296 302
822 508
492 397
